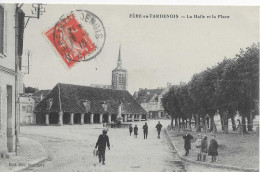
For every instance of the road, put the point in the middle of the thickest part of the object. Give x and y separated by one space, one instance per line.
70 148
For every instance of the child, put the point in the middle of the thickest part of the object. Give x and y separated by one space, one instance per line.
135 131
130 129
198 147
213 148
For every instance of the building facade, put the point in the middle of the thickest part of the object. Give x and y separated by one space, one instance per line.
11 32
119 75
27 105
75 104
151 101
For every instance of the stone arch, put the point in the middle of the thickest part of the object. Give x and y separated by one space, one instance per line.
105 118
40 118
76 118
66 118
87 118
96 118
53 118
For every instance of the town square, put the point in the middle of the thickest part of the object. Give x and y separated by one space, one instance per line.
118 88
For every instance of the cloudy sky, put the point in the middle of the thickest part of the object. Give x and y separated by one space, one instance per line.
154 51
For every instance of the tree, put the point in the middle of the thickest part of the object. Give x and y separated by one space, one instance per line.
229 87
171 104
248 76
31 90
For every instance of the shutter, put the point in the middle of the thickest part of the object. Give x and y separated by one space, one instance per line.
20 36
2 26
5 32
0 110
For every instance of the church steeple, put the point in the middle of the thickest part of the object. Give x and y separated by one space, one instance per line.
119 61
119 75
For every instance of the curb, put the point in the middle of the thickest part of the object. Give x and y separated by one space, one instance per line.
31 164
209 164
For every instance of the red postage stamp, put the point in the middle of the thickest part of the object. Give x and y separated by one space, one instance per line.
78 37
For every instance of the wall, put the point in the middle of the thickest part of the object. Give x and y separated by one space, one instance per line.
7 77
26 110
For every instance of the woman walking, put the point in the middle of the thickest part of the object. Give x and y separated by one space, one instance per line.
213 149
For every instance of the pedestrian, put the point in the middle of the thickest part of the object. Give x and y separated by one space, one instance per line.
239 127
145 128
198 147
213 148
204 147
105 125
135 131
102 142
187 138
159 127
130 129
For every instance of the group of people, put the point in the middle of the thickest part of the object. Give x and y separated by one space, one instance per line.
202 148
145 130
103 139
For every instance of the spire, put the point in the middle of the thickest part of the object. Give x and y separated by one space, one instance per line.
119 61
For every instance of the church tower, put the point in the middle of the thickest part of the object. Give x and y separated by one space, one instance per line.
119 75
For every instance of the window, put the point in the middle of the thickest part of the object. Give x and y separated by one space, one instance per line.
2 26
121 79
23 108
29 109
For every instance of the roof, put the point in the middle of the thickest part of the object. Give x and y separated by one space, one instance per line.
69 98
155 91
41 93
146 99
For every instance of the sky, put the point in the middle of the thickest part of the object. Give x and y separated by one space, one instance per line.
153 50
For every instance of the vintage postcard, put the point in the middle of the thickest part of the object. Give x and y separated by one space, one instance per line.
122 88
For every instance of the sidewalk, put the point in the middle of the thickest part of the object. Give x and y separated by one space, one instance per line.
30 153
192 158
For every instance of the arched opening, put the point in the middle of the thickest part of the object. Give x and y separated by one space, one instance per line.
40 118
96 118
66 118
53 118
113 117
105 118
87 118
76 118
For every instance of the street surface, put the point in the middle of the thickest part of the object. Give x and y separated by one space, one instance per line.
70 148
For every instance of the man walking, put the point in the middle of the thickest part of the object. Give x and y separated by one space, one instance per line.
145 128
159 127
187 138
130 129
102 142
135 131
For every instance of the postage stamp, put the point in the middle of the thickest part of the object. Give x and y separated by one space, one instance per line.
78 36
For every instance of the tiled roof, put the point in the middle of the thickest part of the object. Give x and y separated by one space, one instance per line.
146 98
68 98
41 92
